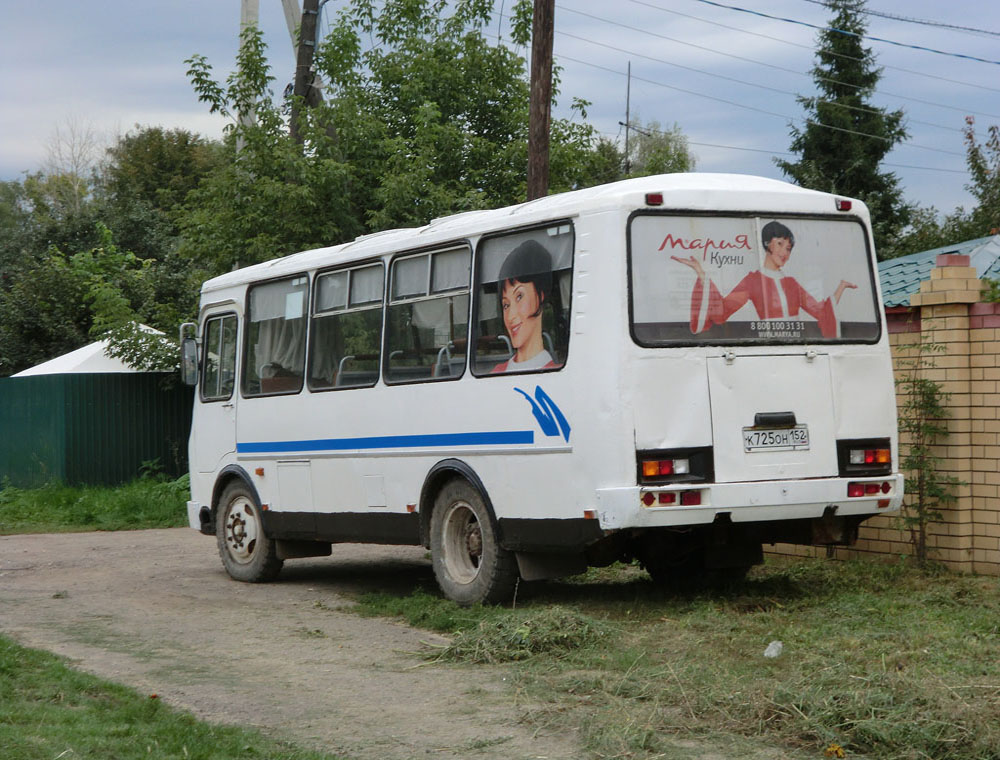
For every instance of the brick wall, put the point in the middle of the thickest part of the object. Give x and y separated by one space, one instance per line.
947 312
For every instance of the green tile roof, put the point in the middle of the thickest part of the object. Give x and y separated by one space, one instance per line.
901 277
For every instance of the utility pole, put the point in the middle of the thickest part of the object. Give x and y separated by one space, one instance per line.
540 113
293 17
303 90
628 117
249 17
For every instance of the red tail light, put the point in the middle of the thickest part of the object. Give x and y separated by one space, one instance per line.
855 489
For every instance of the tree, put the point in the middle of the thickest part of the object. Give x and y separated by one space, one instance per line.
654 150
983 161
927 229
422 117
59 302
270 197
845 137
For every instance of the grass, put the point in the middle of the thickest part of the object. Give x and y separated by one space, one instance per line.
145 503
884 660
48 710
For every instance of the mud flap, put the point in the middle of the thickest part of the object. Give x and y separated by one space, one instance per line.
538 566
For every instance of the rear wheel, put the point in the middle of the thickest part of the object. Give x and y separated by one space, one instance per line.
247 553
469 564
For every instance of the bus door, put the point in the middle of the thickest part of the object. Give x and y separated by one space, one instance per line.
215 412
772 416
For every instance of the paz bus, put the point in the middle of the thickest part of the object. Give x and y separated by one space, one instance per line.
674 370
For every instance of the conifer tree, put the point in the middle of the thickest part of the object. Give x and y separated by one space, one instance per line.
846 137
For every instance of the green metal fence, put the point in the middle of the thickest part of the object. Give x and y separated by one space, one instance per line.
91 428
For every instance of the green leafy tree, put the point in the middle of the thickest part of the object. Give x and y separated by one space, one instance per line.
927 229
422 116
268 197
846 137
654 150
922 426
983 160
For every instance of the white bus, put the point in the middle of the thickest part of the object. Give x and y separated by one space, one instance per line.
675 369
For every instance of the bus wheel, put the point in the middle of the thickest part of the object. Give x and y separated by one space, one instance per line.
247 553
469 564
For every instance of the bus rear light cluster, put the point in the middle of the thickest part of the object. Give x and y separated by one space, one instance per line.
690 498
660 468
869 456
864 457
854 490
674 466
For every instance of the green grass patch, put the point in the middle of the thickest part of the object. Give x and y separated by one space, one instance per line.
883 659
48 710
143 503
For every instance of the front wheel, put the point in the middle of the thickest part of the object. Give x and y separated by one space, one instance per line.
469 564
247 553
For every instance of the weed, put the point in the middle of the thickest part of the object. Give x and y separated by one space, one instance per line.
144 503
884 659
522 634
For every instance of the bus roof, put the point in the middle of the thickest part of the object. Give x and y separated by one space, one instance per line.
684 191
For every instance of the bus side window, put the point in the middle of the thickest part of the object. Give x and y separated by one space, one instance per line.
219 363
524 282
276 336
428 320
346 335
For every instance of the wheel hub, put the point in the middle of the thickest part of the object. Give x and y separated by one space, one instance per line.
474 542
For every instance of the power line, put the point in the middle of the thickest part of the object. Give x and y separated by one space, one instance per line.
909 20
760 110
848 34
787 153
862 109
776 67
794 44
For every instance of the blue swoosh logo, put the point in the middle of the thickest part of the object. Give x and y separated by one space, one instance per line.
550 418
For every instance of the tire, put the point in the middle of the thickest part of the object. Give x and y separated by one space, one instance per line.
247 553
469 564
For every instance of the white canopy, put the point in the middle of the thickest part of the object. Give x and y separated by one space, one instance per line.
90 358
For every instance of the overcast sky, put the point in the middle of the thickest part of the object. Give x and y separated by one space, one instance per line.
727 77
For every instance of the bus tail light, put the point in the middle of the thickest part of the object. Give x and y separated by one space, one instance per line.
843 204
690 498
675 466
866 456
656 468
854 489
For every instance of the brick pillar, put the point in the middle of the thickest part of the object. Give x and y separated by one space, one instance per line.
944 302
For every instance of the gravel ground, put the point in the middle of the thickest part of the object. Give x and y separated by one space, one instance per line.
155 610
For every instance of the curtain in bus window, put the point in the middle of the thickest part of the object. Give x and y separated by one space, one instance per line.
276 345
427 323
720 279
451 271
347 338
524 284
366 285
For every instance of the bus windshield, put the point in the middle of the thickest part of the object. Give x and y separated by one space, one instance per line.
699 279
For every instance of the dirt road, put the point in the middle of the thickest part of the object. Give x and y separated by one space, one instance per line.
155 610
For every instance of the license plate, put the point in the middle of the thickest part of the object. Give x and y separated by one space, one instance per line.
781 439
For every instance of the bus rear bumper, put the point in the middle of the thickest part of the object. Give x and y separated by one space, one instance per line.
200 518
667 506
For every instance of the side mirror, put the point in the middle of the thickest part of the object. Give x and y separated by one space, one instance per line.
189 361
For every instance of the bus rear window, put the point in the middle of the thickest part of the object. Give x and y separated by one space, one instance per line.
754 279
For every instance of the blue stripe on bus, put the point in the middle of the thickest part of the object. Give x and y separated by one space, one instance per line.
389 442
